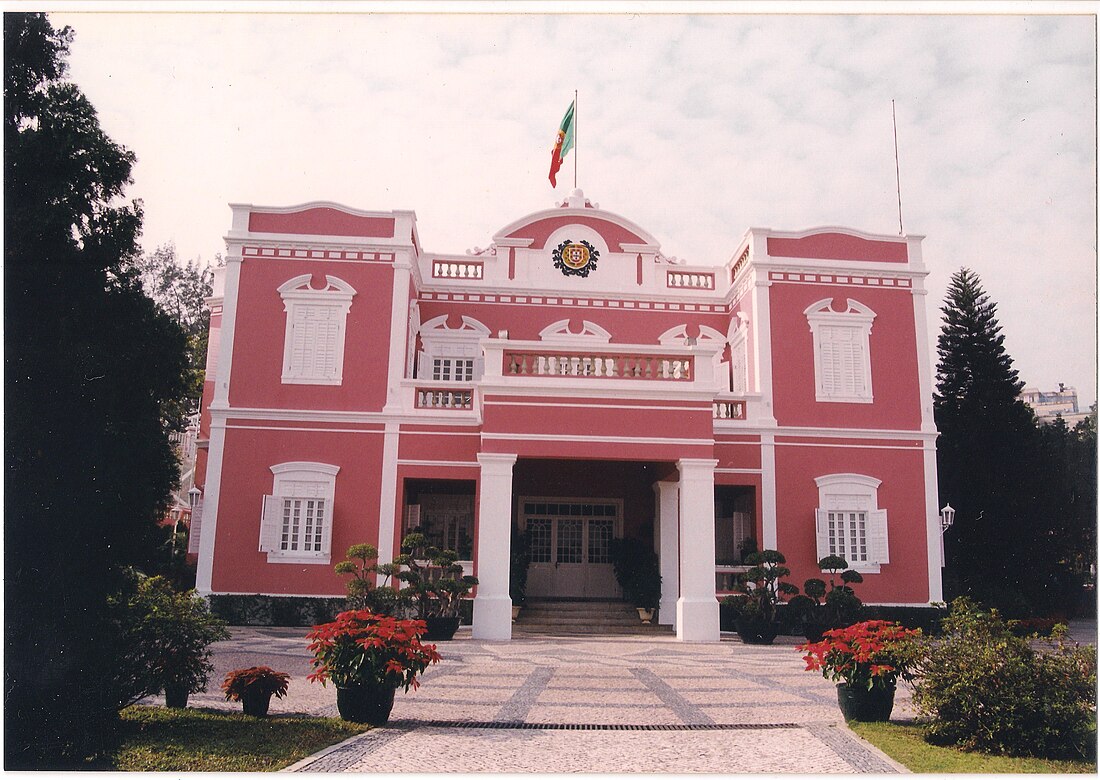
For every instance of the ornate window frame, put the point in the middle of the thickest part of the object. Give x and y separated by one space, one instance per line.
302 497
313 359
842 351
845 503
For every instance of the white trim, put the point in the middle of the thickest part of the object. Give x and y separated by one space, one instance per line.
761 349
301 465
281 595
228 328
598 406
388 498
399 328
292 428
830 480
850 446
567 437
739 471
933 531
559 333
204 572
438 463
648 240
769 520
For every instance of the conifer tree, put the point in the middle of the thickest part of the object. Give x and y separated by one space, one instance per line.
997 550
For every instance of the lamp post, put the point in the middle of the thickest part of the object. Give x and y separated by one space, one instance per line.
947 519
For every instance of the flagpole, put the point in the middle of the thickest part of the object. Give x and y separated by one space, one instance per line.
574 139
897 166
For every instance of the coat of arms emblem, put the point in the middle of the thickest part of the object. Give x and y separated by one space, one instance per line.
576 258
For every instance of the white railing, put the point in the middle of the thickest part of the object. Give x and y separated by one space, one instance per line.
695 280
729 410
661 368
444 398
457 269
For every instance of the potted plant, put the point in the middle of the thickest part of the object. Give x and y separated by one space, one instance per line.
436 584
865 660
368 657
519 563
638 572
841 606
254 687
170 633
762 592
363 590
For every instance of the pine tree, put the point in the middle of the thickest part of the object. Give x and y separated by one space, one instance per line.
91 366
989 463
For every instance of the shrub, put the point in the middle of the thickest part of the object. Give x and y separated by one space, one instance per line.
363 593
985 689
166 639
434 578
638 572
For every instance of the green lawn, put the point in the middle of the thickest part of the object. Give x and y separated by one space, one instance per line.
156 739
905 743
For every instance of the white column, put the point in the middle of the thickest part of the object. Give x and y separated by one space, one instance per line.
493 604
667 532
389 520
697 607
769 520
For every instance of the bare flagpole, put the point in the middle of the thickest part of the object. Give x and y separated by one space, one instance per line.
574 139
897 166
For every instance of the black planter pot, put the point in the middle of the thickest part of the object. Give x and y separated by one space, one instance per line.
441 629
175 696
365 703
869 706
814 631
757 632
256 703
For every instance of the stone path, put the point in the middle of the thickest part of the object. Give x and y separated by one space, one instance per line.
583 704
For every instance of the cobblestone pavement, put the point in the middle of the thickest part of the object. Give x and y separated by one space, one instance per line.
582 704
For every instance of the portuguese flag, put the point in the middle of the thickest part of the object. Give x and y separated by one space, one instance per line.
562 144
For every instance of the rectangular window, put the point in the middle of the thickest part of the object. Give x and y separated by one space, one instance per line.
302 526
538 540
848 536
600 534
453 369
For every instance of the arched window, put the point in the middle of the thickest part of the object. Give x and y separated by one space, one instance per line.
296 524
849 522
316 321
842 351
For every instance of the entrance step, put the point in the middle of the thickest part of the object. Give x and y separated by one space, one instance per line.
569 618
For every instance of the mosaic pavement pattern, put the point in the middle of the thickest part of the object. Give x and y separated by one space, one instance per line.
582 704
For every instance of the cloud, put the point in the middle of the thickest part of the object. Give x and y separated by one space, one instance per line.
696 127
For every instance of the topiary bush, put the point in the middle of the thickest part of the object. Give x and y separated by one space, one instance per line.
983 688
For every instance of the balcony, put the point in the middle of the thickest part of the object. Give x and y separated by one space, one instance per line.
601 366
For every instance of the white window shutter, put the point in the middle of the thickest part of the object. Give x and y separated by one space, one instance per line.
880 547
270 523
327 527
822 516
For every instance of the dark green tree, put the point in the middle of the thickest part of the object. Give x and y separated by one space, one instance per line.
91 364
998 550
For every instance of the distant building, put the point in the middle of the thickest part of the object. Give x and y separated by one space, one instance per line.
1049 404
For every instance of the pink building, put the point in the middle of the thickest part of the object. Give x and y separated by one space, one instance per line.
574 382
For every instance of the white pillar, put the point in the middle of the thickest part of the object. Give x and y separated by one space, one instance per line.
697 607
493 604
667 532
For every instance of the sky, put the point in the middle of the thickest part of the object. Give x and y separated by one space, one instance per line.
695 126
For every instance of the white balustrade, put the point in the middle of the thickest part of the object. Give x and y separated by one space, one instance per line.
660 368
453 269
690 280
440 398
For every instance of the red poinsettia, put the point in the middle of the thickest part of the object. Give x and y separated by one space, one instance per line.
871 653
362 647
